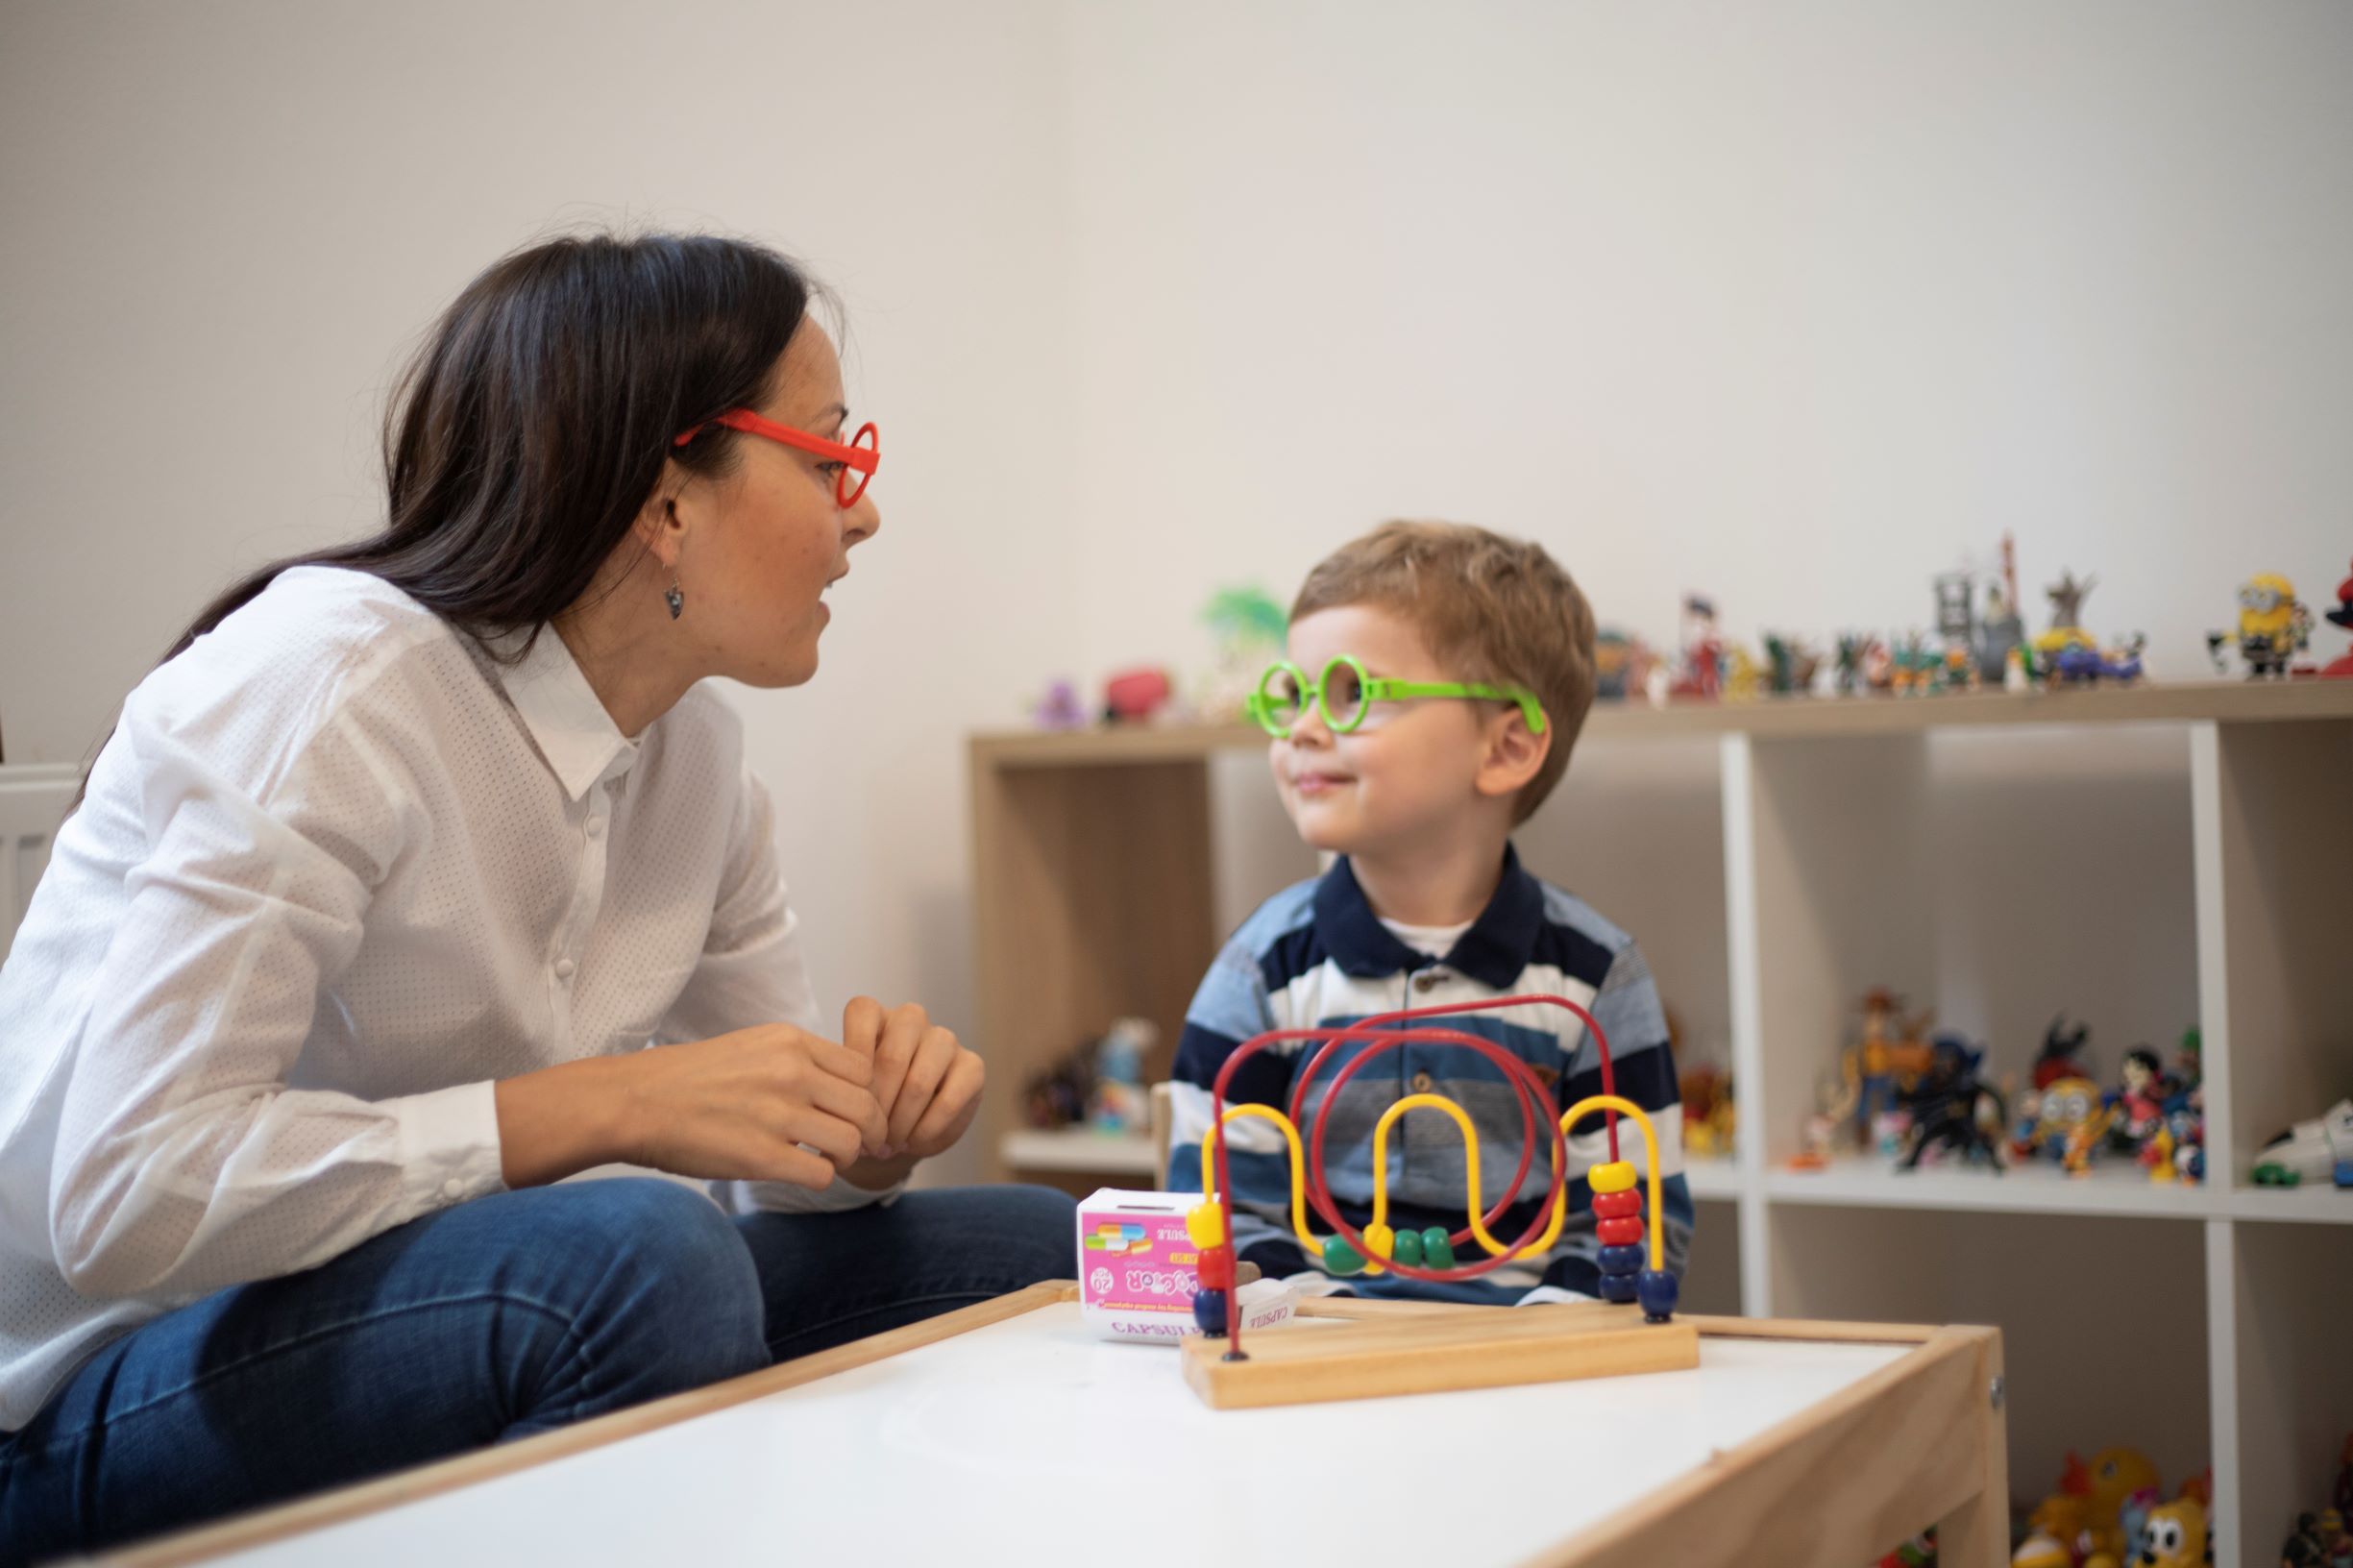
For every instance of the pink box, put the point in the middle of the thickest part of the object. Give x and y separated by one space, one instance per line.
1137 1269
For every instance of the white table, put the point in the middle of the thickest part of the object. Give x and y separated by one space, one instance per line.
1006 1434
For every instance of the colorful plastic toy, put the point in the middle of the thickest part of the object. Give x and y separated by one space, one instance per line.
1430 1255
2273 627
2175 1536
2342 667
2317 1150
1952 1107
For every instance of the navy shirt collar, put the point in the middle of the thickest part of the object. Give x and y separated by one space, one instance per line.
1497 948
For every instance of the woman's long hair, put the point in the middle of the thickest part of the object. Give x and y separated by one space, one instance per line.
529 430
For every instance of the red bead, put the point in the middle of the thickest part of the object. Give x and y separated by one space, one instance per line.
1620 1233
1616 1204
1216 1268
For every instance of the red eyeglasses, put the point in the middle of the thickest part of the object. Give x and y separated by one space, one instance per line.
859 459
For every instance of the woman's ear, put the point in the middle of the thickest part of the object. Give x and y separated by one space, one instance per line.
669 514
1513 755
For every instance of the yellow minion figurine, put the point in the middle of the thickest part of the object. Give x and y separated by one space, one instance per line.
2273 626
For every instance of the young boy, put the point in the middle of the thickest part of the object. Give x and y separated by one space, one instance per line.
1417 793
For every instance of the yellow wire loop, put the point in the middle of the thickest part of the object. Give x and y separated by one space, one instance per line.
1299 1170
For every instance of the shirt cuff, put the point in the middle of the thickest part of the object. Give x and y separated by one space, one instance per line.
449 1150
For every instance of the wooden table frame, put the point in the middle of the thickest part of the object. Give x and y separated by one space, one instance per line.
1919 1442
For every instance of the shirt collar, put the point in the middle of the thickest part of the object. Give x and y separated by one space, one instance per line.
1493 951
566 721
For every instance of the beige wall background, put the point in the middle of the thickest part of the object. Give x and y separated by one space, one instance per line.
1795 304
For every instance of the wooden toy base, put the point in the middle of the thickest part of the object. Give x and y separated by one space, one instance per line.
1433 1351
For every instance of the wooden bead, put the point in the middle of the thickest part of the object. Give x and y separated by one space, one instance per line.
1617 1176
1210 1312
1216 1268
1340 1258
1206 1224
1626 1261
1618 1287
1657 1290
1437 1248
1379 1240
1407 1249
1617 1205
1619 1233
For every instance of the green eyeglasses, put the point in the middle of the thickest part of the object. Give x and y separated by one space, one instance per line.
1345 694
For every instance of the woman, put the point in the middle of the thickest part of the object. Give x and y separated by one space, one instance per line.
377 895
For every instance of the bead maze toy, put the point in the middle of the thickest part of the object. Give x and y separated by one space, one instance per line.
1444 1347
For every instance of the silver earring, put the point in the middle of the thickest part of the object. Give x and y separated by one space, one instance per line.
677 599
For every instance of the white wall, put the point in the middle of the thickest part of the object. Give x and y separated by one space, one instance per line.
226 225
1797 305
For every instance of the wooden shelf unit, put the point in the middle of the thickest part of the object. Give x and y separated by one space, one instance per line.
2146 857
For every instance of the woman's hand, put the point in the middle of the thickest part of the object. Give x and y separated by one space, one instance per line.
927 1085
738 1105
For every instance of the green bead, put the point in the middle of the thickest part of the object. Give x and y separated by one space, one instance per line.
1437 1252
1408 1248
1340 1258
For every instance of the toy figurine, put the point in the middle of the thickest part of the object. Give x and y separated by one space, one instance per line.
1059 710
1743 677
1855 651
2317 1150
2061 1054
1622 664
1951 1105
2000 633
2140 1098
1708 1120
2273 627
1703 672
1119 1102
1790 664
1956 617
2341 668
2175 1536
2065 1108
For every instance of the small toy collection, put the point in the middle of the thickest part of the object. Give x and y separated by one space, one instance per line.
2273 627
1101 1085
1920 1102
1709 1121
2113 1512
2324 1539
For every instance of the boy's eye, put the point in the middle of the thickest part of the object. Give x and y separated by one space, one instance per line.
1283 694
1343 694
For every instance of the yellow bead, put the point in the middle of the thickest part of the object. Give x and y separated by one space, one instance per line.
1382 1240
1617 1176
1206 1224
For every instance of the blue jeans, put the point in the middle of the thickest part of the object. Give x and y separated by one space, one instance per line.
499 1318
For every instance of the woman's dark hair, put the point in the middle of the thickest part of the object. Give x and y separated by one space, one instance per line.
526 433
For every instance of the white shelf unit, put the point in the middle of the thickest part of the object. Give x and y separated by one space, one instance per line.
2144 860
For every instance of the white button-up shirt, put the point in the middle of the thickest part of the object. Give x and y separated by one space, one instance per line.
338 871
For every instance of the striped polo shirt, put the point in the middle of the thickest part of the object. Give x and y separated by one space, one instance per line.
1316 956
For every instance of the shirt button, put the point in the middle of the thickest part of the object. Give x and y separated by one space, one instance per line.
596 827
453 1188
1423 1082
1428 980
564 967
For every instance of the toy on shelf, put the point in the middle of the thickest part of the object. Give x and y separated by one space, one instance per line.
1890 1057
1134 697
2088 1522
2068 1120
2081 663
1622 664
2318 1150
2062 1053
1100 1083
1854 662
1060 708
1702 662
1791 665
1443 1350
1248 628
2002 633
2067 597
2341 666
2273 627
2323 1540
1709 1123
1952 1109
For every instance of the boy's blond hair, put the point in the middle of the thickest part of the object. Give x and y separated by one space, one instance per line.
1491 608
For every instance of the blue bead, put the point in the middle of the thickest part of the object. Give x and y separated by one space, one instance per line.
1657 1289
1627 1261
1618 1287
1209 1311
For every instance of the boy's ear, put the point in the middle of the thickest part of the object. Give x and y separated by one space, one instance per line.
1514 754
